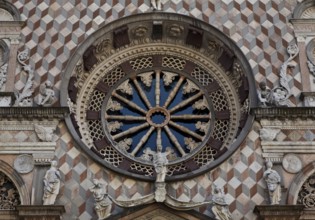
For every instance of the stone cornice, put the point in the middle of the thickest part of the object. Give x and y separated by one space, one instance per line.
284 113
33 112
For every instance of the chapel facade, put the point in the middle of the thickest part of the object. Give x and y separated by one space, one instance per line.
157 109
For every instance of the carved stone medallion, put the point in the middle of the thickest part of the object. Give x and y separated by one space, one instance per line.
292 163
24 163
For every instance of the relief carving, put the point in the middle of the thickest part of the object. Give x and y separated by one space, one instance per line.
46 96
103 204
268 134
279 96
3 75
45 134
9 195
220 207
23 98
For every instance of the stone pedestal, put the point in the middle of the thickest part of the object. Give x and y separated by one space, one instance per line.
40 212
279 212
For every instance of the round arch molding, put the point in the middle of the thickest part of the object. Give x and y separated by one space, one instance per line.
18 182
159 85
302 187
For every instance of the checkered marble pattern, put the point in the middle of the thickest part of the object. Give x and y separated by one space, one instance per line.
55 28
53 31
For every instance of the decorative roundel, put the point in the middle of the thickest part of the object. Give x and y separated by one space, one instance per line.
158 83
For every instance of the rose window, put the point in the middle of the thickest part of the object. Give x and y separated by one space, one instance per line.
157 111
158 83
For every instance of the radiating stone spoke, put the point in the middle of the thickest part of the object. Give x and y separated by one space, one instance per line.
186 130
142 94
174 140
186 102
174 92
159 140
131 104
157 88
130 131
125 117
142 141
190 117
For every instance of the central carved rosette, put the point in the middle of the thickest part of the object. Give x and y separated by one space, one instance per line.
158 117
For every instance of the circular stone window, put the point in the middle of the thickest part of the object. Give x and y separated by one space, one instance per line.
159 83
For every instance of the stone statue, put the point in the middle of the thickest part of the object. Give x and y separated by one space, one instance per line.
160 161
103 204
47 94
51 184
220 207
264 95
156 4
273 179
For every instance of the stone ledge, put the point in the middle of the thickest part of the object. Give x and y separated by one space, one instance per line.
283 112
40 212
34 112
279 212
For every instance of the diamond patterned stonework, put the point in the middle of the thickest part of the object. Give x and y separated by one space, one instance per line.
260 29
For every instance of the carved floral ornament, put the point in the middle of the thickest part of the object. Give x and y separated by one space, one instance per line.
158 96
9 195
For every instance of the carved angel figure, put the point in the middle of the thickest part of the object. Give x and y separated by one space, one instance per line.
156 4
51 184
220 207
47 94
45 134
103 204
273 179
264 95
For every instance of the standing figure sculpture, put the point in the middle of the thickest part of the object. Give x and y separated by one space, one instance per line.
220 207
51 184
156 4
273 179
103 204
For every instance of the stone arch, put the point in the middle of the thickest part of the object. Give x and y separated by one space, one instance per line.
17 181
11 9
302 10
298 182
